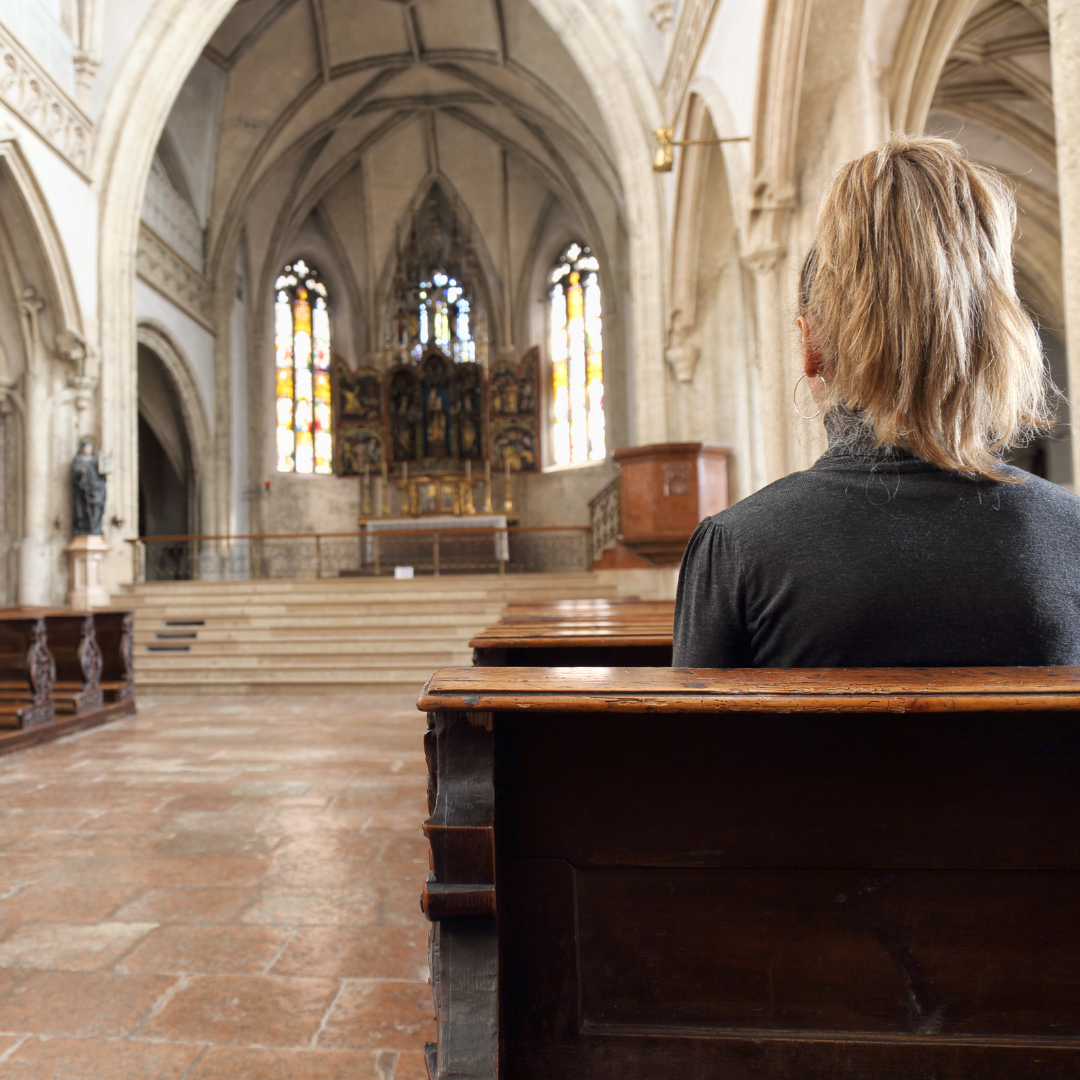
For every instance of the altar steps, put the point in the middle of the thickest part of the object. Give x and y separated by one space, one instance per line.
327 635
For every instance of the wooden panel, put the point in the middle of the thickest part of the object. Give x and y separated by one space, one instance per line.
782 897
954 791
908 952
678 1015
895 690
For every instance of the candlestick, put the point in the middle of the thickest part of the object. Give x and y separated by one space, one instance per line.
468 507
488 509
365 490
508 499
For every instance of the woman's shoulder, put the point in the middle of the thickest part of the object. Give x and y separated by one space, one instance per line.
759 514
787 492
1037 495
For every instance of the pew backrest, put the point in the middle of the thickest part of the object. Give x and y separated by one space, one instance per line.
661 873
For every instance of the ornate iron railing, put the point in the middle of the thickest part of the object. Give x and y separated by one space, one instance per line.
515 549
606 516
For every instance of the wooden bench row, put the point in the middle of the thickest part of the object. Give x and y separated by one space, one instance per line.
58 664
576 633
792 875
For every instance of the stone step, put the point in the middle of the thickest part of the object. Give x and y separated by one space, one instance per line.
323 634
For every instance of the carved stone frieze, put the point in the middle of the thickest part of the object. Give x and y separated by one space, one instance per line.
174 277
35 98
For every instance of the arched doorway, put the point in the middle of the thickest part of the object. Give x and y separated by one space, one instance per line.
168 502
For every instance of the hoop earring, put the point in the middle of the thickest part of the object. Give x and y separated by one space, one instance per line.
795 396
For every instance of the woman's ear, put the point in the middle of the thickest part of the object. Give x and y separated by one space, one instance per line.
811 357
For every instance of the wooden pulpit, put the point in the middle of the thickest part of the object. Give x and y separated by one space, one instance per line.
665 491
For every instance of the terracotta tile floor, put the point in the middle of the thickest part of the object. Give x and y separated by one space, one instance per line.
218 889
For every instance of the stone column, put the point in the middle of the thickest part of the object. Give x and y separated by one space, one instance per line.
775 408
1065 52
34 545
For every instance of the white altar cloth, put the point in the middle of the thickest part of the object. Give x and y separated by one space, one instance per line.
442 524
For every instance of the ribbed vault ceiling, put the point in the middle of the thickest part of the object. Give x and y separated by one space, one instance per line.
995 95
315 86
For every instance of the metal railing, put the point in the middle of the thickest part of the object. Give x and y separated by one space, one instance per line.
435 551
605 513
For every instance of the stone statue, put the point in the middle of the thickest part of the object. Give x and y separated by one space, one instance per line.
87 490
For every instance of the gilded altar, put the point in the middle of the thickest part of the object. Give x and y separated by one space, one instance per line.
433 427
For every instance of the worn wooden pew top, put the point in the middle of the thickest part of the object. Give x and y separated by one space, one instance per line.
580 623
535 635
660 611
592 689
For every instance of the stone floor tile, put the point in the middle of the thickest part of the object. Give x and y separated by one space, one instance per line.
16 869
63 903
97 1059
317 871
346 952
9 1042
410 1066
55 946
314 906
208 871
403 846
235 1009
123 821
89 843
309 874
31 820
82 1004
49 796
209 950
188 905
216 844
214 802
364 847
380 1016
272 788
236 1063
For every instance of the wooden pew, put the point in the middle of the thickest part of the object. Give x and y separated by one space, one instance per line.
115 629
655 874
27 673
576 633
72 635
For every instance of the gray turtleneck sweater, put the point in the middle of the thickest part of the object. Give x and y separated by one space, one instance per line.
874 558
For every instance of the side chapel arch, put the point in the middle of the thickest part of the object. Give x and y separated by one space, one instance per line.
44 306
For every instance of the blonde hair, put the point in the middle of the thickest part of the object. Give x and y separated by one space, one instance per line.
912 306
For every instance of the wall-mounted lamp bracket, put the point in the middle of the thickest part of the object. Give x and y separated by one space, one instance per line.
664 158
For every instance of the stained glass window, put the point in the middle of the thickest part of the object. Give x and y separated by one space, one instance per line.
444 312
577 358
302 354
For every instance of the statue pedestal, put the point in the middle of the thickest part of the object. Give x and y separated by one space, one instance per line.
87 558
